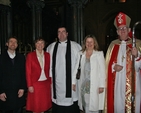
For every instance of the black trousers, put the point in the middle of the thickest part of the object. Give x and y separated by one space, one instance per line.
65 109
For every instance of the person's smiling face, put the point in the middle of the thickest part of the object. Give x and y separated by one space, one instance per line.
12 44
40 45
62 34
89 43
123 31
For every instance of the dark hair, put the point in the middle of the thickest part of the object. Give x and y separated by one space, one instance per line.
39 39
62 27
12 37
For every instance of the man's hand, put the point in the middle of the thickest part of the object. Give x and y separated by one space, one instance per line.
101 90
20 93
31 89
3 97
74 87
118 68
134 52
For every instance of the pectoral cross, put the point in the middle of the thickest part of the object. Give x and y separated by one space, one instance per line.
123 58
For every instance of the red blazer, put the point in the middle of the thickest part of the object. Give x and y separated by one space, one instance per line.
33 69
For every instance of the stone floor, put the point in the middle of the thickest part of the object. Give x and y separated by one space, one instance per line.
24 111
45 112
49 111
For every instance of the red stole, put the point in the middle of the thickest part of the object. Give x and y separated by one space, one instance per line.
110 85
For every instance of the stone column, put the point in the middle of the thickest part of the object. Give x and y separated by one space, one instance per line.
77 19
36 7
5 23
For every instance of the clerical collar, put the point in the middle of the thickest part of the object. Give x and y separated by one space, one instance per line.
125 40
64 42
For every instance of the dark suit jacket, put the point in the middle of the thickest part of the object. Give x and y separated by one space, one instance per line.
12 78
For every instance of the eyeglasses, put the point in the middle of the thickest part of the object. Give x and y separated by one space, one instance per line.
123 28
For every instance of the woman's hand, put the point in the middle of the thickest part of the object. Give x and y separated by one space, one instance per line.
31 89
74 87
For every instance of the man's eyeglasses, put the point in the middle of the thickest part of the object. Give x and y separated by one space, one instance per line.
123 28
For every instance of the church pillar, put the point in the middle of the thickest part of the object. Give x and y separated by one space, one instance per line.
36 8
77 19
5 24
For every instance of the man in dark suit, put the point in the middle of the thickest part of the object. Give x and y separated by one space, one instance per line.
12 79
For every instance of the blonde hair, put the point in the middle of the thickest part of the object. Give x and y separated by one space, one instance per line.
96 46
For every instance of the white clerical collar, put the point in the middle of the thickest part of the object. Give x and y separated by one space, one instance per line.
123 42
11 55
64 42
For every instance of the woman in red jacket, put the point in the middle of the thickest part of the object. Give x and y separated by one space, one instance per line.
38 80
